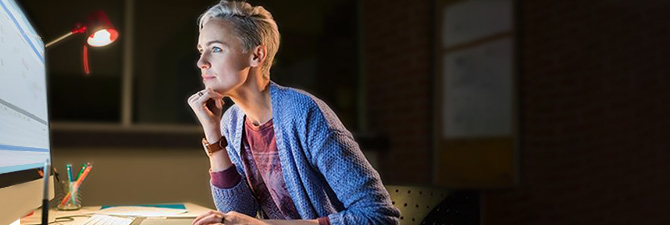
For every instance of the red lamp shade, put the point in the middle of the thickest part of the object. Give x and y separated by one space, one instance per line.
102 37
101 32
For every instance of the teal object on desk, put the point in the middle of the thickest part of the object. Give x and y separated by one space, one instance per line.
167 206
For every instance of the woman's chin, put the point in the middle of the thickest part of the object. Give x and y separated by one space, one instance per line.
217 89
209 84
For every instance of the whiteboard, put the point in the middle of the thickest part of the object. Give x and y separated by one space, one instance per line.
477 96
470 20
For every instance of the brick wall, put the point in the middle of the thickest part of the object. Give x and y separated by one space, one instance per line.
595 93
595 103
398 69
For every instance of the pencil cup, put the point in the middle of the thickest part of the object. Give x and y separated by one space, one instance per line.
70 192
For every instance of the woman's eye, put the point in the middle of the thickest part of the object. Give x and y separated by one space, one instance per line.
216 49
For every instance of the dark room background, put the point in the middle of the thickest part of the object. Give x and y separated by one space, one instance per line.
319 53
592 83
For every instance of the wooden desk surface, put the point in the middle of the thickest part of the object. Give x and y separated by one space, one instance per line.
36 218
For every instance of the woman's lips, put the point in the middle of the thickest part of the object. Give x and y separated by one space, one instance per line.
205 78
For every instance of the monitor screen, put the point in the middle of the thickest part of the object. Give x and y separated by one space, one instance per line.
24 120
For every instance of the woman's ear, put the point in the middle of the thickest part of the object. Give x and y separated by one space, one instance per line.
258 55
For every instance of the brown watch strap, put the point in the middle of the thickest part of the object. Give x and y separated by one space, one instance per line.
214 147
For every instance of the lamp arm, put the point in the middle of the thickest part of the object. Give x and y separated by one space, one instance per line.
59 39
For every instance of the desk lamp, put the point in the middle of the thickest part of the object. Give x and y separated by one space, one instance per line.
100 32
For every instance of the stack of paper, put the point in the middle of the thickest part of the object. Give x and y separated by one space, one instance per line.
145 211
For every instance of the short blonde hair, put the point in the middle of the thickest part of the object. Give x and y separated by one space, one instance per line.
253 25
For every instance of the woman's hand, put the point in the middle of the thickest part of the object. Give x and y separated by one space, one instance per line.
211 217
208 107
230 218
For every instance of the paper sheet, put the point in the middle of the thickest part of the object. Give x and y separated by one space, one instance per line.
141 211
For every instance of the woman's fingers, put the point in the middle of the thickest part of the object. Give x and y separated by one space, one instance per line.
199 217
207 105
219 103
195 99
210 217
233 217
199 100
204 95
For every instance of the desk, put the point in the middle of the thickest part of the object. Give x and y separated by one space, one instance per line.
192 211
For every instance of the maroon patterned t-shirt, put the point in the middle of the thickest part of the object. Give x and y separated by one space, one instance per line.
264 174
261 161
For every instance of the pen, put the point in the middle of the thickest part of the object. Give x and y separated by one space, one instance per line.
69 172
70 179
83 166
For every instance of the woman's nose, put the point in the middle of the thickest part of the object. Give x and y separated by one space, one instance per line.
203 63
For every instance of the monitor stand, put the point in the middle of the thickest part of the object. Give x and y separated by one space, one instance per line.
45 199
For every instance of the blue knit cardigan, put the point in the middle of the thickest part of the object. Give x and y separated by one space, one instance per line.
325 171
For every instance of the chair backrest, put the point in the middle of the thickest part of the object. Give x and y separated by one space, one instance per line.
415 202
461 207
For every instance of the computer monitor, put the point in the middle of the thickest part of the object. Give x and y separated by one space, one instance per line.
24 120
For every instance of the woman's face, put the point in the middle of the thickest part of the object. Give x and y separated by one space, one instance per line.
223 65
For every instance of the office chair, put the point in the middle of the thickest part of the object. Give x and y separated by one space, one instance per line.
459 208
415 202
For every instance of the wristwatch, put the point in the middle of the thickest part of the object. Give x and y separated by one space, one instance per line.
215 147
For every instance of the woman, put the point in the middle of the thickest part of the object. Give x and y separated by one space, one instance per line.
278 152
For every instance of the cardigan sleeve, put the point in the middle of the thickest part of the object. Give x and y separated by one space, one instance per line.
238 197
356 184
